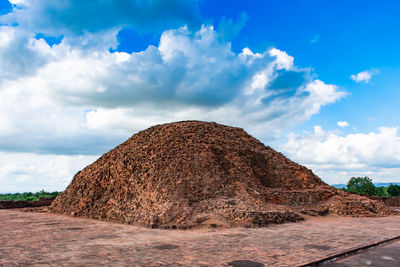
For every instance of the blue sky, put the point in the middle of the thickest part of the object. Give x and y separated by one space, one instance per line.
317 80
336 39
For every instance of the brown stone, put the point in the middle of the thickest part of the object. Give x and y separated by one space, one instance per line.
197 174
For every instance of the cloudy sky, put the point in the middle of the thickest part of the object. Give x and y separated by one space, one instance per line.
317 80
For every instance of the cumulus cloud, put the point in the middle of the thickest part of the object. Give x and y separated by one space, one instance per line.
64 93
189 75
32 172
20 53
336 158
364 76
343 124
74 17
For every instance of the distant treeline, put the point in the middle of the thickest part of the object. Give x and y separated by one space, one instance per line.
27 196
364 185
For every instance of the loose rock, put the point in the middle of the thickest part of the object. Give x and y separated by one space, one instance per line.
201 174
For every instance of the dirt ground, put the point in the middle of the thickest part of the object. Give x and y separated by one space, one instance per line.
49 239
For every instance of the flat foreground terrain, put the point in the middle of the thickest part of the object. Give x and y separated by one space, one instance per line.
387 255
50 239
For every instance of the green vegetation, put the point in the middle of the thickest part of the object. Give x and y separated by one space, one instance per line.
361 185
27 196
365 186
393 190
381 191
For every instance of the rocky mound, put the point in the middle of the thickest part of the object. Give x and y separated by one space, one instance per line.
194 173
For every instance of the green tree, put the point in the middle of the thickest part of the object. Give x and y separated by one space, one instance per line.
361 185
393 190
382 191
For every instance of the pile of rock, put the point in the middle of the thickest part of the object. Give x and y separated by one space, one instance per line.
200 174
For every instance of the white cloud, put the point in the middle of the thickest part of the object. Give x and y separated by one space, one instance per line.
343 124
78 98
23 172
319 95
336 158
20 53
19 2
364 76
283 60
188 76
